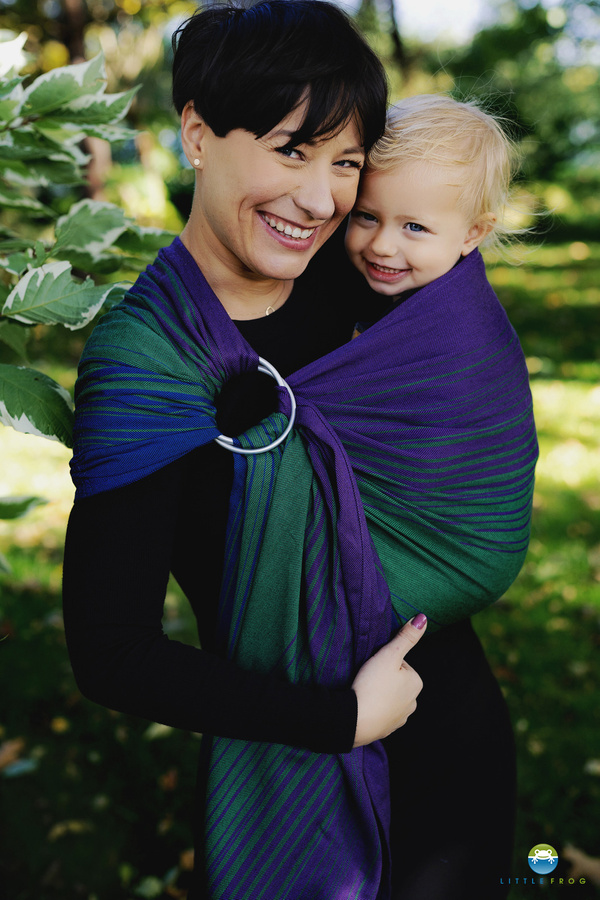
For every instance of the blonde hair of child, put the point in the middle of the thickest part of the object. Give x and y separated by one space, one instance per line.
437 129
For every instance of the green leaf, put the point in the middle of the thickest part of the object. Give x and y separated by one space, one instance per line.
7 108
58 87
100 264
32 403
30 143
63 135
16 263
94 74
9 241
41 172
17 200
110 132
11 93
90 226
15 336
4 566
49 295
143 240
8 88
16 507
106 109
116 295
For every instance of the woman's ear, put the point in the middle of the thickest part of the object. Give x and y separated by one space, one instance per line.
479 230
193 129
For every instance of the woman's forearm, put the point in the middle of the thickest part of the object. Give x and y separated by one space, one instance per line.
117 560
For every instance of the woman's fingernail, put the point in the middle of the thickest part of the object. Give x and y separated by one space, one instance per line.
419 621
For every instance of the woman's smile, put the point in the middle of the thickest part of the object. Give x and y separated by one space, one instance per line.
284 229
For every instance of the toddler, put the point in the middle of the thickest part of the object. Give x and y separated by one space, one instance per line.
434 189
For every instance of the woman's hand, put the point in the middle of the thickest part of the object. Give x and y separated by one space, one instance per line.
387 687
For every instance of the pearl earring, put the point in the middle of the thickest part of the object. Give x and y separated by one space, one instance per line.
196 161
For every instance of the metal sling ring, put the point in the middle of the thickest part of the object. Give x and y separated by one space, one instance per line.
224 441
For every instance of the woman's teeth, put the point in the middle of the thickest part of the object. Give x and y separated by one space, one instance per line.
296 232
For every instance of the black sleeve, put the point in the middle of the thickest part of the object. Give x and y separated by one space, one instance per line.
118 556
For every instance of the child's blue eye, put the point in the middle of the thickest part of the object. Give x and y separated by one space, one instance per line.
414 226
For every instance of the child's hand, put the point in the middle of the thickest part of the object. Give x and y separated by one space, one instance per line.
387 687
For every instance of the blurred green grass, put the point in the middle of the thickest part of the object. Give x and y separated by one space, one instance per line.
543 637
99 804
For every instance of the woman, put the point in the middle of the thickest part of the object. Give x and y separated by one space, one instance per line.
300 83
277 169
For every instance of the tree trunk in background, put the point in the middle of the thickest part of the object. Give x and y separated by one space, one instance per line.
369 20
73 28
73 36
399 56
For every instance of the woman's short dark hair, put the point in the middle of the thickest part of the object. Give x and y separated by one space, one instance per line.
250 67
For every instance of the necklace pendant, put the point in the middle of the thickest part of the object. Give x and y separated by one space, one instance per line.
269 310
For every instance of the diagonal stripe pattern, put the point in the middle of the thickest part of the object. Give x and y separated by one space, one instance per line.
405 485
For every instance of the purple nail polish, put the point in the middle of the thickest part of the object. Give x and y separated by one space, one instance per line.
419 621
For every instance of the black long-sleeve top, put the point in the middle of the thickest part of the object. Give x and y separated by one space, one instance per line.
122 544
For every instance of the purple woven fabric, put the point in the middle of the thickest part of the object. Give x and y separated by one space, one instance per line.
405 486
